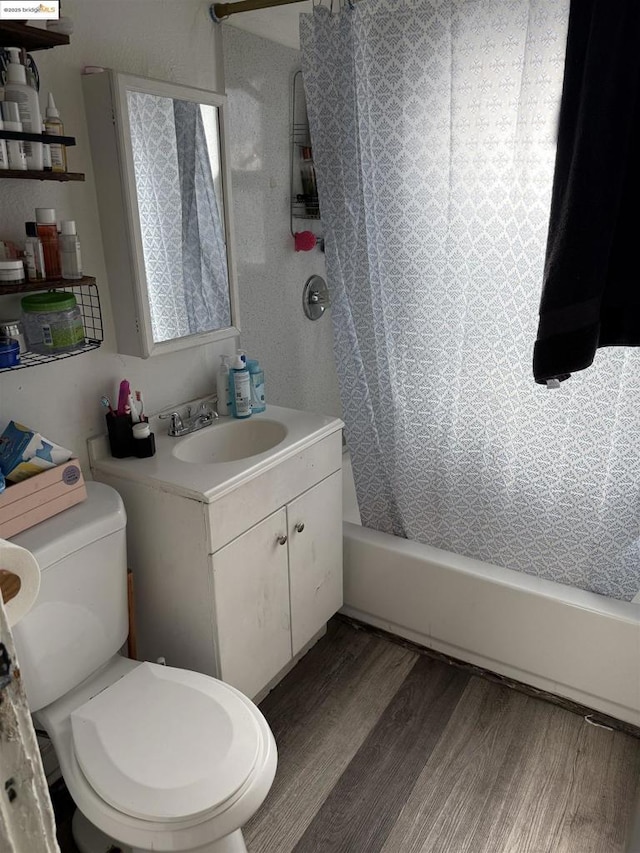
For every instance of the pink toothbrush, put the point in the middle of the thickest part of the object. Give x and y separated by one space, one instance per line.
123 398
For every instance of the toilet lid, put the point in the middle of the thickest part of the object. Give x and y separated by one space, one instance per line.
166 744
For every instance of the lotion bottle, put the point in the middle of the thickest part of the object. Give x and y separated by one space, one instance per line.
240 388
17 89
222 386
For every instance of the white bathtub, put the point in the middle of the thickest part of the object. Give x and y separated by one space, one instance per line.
573 643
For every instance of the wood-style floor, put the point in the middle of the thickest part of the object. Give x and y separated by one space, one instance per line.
384 750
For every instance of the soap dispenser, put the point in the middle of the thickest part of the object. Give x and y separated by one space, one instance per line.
240 388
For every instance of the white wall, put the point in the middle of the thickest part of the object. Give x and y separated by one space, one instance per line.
166 39
278 24
155 38
295 352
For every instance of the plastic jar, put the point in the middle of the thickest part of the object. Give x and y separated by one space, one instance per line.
52 322
11 272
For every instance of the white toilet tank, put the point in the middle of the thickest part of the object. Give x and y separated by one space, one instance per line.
80 618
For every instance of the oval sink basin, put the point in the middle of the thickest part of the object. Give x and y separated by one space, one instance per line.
230 441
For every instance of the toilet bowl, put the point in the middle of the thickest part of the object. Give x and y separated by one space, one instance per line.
155 758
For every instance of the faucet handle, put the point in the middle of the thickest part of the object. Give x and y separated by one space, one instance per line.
207 408
175 424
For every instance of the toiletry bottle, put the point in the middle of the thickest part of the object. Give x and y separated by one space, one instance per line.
15 147
33 254
256 381
222 386
53 126
241 394
70 258
46 154
48 234
17 89
4 157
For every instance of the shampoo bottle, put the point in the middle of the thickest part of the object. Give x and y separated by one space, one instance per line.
256 381
241 389
222 386
17 89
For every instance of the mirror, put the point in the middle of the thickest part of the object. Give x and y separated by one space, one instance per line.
166 222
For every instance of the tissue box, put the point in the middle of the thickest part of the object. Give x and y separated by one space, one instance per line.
31 501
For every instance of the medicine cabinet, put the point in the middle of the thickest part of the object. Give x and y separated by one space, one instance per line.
164 197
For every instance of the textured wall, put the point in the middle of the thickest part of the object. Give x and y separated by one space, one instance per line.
154 38
295 352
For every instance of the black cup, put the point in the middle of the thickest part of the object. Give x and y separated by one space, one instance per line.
120 432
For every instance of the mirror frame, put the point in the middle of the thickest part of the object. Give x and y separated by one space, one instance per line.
119 84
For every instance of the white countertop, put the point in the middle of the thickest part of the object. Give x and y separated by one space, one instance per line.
208 482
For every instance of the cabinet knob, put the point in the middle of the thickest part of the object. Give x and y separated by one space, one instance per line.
282 539
300 526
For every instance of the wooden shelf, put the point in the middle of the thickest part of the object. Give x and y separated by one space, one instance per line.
67 141
48 284
18 34
27 175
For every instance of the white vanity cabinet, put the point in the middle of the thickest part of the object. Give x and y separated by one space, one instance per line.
240 582
275 586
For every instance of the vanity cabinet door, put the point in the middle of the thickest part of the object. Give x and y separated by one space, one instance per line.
251 592
314 523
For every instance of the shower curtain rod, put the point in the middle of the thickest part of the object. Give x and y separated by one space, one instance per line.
220 11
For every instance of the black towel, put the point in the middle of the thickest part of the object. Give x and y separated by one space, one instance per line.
591 293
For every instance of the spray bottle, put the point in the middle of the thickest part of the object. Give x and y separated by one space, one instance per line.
240 388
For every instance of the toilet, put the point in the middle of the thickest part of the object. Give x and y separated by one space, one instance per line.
155 758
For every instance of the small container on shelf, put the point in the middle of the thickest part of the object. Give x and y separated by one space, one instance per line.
13 329
11 272
52 322
9 352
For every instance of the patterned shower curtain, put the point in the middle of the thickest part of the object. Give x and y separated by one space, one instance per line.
433 127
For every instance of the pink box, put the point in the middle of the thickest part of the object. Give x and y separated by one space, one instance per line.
34 500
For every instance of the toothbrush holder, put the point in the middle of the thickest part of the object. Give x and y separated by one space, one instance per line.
120 432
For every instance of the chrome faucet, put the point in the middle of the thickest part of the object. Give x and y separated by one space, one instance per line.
204 416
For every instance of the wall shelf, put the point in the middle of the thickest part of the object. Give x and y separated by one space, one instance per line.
304 194
86 292
51 138
28 175
17 33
